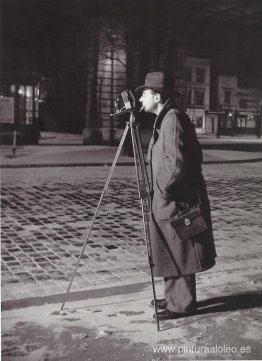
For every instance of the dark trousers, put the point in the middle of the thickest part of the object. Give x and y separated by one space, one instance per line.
180 293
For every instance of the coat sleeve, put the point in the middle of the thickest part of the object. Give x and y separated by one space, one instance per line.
175 166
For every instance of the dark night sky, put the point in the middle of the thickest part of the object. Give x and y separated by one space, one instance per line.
32 30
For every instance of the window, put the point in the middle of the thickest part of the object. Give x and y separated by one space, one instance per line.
251 122
189 93
27 103
188 74
199 96
246 121
227 97
243 103
198 122
200 75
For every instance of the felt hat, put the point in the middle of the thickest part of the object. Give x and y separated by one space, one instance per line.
158 80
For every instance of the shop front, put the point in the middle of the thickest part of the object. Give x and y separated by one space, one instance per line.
198 118
237 123
19 111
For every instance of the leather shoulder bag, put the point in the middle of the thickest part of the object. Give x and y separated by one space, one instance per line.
189 222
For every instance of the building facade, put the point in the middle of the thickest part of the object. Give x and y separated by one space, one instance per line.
198 92
87 53
119 60
239 107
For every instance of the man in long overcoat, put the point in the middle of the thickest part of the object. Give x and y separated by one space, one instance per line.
177 183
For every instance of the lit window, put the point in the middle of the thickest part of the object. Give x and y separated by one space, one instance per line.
198 122
29 91
21 90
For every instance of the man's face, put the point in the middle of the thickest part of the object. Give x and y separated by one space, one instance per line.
148 101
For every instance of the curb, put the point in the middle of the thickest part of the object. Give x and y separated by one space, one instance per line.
73 296
109 164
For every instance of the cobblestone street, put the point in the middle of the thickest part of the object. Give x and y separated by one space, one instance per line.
46 213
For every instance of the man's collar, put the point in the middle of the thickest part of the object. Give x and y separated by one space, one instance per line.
167 106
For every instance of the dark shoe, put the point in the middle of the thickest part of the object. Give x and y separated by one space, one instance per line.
161 304
169 315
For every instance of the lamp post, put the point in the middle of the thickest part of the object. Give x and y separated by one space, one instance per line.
111 130
259 119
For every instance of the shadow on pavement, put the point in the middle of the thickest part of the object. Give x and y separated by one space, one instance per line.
221 304
230 303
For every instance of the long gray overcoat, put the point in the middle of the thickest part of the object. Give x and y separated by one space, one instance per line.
175 158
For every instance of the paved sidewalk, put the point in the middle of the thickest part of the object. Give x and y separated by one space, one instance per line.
58 150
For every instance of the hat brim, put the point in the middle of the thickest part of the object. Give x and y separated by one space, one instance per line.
143 87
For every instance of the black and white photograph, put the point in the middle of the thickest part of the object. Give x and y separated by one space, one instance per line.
131 180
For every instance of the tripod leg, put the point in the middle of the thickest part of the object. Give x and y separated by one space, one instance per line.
97 209
141 156
143 184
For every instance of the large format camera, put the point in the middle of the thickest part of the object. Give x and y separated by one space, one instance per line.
125 101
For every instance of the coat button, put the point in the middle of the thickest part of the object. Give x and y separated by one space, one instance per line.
187 222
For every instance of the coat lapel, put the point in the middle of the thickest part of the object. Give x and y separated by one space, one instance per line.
157 124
